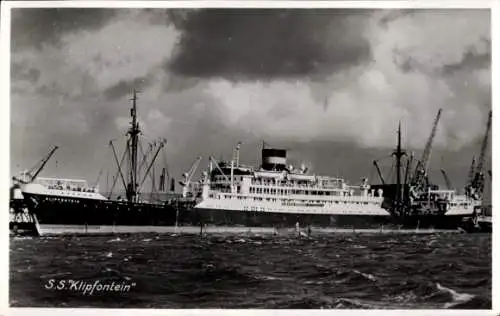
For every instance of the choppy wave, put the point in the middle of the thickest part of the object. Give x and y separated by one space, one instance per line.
335 272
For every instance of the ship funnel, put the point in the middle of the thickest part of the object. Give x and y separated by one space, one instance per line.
274 159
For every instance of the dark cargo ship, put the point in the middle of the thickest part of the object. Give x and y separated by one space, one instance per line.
72 204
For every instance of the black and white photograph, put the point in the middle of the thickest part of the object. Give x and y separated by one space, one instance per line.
253 156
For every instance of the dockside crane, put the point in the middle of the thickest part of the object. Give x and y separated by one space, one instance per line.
188 176
476 186
420 180
32 174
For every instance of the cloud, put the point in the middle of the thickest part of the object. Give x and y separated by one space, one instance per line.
211 77
363 103
120 51
35 27
246 44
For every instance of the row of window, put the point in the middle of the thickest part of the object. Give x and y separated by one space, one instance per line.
290 201
325 211
272 181
258 190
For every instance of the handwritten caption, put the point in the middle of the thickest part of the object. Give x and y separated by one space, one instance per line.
89 288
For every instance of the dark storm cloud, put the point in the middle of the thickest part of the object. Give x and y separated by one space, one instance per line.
34 27
269 43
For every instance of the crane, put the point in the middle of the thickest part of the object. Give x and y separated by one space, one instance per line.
446 179
188 176
470 175
420 178
477 185
30 176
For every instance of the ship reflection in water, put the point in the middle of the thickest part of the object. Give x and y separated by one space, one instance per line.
335 271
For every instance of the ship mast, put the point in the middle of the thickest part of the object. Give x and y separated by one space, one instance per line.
133 141
399 153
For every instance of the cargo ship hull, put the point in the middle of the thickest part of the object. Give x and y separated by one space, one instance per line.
271 219
53 210
107 216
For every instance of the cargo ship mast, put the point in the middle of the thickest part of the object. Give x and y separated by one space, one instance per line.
398 153
133 133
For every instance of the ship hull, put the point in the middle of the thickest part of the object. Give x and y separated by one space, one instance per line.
87 215
269 219
479 225
51 210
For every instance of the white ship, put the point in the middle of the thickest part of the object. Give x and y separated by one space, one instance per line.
279 195
276 194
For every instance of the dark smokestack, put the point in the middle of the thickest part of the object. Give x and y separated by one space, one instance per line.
273 159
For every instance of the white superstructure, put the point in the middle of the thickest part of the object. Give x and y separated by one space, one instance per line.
276 188
288 193
454 204
62 188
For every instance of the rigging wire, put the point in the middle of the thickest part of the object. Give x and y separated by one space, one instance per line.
118 172
166 178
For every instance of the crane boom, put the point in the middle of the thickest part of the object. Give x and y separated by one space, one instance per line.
470 176
477 185
34 172
44 162
220 170
420 173
484 146
193 169
188 176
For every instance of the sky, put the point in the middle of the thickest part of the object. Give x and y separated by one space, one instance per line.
329 85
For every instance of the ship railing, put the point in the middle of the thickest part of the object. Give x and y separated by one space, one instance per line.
66 184
61 181
300 186
73 189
